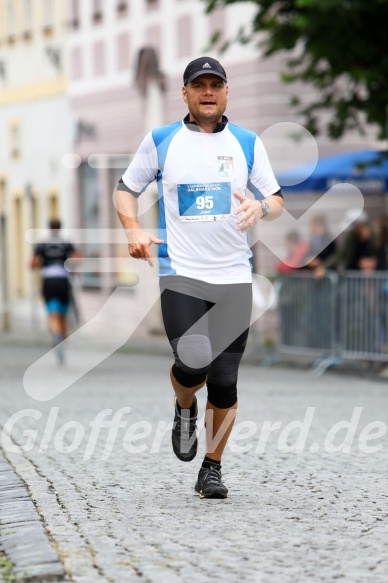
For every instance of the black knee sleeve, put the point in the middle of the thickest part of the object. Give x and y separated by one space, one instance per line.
224 369
192 352
222 397
186 379
193 357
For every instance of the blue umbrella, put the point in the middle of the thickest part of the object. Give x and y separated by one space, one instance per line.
366 169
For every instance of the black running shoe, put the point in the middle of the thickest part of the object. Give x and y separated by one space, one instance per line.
209 483
184 434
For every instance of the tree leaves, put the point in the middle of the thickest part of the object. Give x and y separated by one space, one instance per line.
339 47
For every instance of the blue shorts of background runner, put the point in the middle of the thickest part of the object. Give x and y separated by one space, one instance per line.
56 292
55 305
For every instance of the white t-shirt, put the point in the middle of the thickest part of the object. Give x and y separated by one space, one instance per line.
197 173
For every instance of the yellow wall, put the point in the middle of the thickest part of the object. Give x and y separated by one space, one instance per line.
38 90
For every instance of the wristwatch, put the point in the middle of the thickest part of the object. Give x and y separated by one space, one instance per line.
265 208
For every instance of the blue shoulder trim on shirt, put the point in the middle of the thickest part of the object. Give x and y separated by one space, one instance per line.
162 138
164 258
246 139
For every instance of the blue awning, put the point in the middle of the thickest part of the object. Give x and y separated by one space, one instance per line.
366 169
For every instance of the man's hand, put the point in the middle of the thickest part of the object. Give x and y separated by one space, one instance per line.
319 272
312 262
35 262
139 245
252 212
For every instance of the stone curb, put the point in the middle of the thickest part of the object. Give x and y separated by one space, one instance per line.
23 539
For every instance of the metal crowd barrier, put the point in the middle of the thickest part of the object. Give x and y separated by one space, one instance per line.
334 319
364 316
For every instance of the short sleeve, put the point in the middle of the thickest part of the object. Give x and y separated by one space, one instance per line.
262 181
144 167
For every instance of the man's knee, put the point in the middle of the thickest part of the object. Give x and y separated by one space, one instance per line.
222 397
193 357
188 380
193 352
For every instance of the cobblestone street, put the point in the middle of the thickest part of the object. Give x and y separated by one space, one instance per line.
119 507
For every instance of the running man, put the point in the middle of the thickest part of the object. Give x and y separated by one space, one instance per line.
50 256
203 166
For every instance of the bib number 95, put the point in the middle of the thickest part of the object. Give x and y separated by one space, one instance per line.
204 202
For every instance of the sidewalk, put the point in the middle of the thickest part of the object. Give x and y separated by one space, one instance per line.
25 551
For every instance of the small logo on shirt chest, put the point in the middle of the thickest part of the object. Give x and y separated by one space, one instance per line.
225 166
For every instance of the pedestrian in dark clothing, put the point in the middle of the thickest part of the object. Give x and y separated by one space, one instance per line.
357 252
382 265
382 243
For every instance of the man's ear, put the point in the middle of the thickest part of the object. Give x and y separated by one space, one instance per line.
184 94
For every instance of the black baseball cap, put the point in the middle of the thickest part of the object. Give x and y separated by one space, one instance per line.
201 66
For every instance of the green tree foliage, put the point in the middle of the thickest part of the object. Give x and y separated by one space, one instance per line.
339 47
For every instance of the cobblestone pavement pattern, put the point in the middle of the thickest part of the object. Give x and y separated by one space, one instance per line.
289 517
24 546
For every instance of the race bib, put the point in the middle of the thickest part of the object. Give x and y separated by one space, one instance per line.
204 202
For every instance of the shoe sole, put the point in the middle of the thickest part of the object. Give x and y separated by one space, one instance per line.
184 459
212 496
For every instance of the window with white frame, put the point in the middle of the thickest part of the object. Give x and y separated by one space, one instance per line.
48 14
14 140
99 58
76 63
122 7
74 13
97 10
184 36
123 51
11 19
27 17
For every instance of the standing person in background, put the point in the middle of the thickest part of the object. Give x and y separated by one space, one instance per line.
356 254
296 252
203 166
382 243
50 256
319 301
289 299
358 250
321 245
382 265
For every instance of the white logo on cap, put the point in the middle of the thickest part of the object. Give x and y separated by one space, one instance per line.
206 66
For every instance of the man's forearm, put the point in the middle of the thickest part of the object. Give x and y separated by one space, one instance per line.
127 209
138 240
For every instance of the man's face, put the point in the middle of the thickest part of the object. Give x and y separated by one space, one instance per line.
206 98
